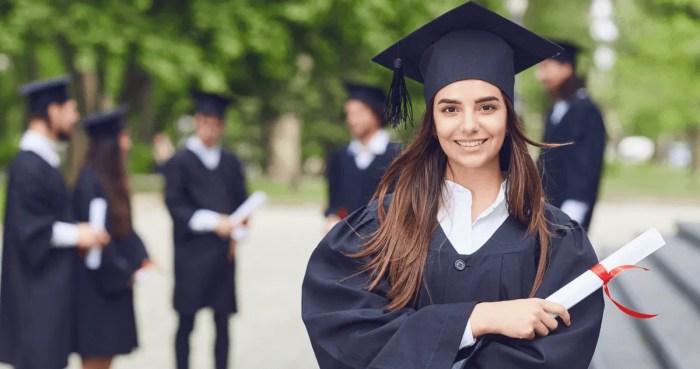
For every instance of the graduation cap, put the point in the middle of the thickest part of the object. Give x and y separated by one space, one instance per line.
210 104
468 42
370 95
569 54
106 124
40 94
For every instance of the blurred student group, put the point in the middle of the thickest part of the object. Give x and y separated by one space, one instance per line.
71 256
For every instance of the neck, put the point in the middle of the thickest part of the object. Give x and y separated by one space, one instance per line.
484 183
368 137
41 127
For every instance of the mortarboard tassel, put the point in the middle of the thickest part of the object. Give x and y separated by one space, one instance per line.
398 104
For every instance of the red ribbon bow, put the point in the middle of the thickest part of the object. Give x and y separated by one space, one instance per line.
606 276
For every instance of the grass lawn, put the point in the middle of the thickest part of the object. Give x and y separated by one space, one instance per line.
658 182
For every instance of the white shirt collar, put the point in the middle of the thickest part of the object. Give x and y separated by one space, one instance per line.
209 156
42 146
365 154
455 217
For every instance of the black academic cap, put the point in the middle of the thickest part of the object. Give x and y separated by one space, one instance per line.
40 94
569 54
210 104
106 124
370 95
468 42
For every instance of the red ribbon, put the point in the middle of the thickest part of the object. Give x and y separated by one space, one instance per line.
606 276
342 213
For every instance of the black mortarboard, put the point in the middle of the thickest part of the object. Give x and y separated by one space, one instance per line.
569 54
468 42
106 124
371 96
40 94
210 104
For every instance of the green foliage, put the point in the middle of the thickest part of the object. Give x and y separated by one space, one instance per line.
278 56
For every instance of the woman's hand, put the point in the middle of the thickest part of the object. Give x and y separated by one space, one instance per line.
524 319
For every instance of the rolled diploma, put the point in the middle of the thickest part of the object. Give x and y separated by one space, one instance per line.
588 282
98 215
249 206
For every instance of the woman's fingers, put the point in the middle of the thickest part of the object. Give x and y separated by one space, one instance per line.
552 307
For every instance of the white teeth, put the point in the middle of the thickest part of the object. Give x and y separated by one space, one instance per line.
470 143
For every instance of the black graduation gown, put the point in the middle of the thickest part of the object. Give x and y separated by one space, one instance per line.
349 187
573 172
35 296
349 327
204 275
104 315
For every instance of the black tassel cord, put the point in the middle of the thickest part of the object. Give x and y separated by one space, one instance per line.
399 109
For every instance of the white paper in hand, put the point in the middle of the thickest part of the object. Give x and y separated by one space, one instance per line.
249 206
98 217
588 282
254 201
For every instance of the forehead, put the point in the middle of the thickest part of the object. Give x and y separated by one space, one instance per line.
355 104
468 89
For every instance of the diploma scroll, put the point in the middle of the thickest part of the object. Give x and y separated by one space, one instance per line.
588 282
98 216
254 201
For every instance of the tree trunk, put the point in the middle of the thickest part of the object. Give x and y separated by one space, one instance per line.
284 150
694 141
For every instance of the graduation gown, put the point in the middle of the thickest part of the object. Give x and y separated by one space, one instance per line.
349 327
35 296
204 275
573 172
350 187
104 314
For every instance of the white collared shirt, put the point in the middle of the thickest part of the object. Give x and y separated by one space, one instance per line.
209 156
455 218
42 146
63 234
365 154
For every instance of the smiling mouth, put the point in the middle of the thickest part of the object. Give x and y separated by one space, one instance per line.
471 143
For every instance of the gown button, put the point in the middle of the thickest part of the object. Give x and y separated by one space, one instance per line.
460 264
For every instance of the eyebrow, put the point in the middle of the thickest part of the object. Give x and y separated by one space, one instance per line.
477 101
485 99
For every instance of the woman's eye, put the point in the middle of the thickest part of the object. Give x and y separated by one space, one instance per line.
488 107
449 109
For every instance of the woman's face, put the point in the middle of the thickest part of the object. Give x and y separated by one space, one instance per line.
124 141
470 122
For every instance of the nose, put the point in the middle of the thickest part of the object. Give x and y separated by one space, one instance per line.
470 122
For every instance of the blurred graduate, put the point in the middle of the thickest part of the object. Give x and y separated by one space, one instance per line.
104 314
40 237
205 183
353 171
449 266
571 174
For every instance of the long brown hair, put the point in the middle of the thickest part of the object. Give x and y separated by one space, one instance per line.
399 248
105 158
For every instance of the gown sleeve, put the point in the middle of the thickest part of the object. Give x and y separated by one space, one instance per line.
588 156
33 213
176 198
565 347
348 325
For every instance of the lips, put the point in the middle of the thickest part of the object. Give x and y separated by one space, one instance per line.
470 143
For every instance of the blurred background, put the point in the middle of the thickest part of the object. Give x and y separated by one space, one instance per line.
284 61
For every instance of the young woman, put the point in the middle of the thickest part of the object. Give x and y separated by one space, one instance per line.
448 267
104 315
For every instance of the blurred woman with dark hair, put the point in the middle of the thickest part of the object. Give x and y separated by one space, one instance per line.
449 265
105 322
